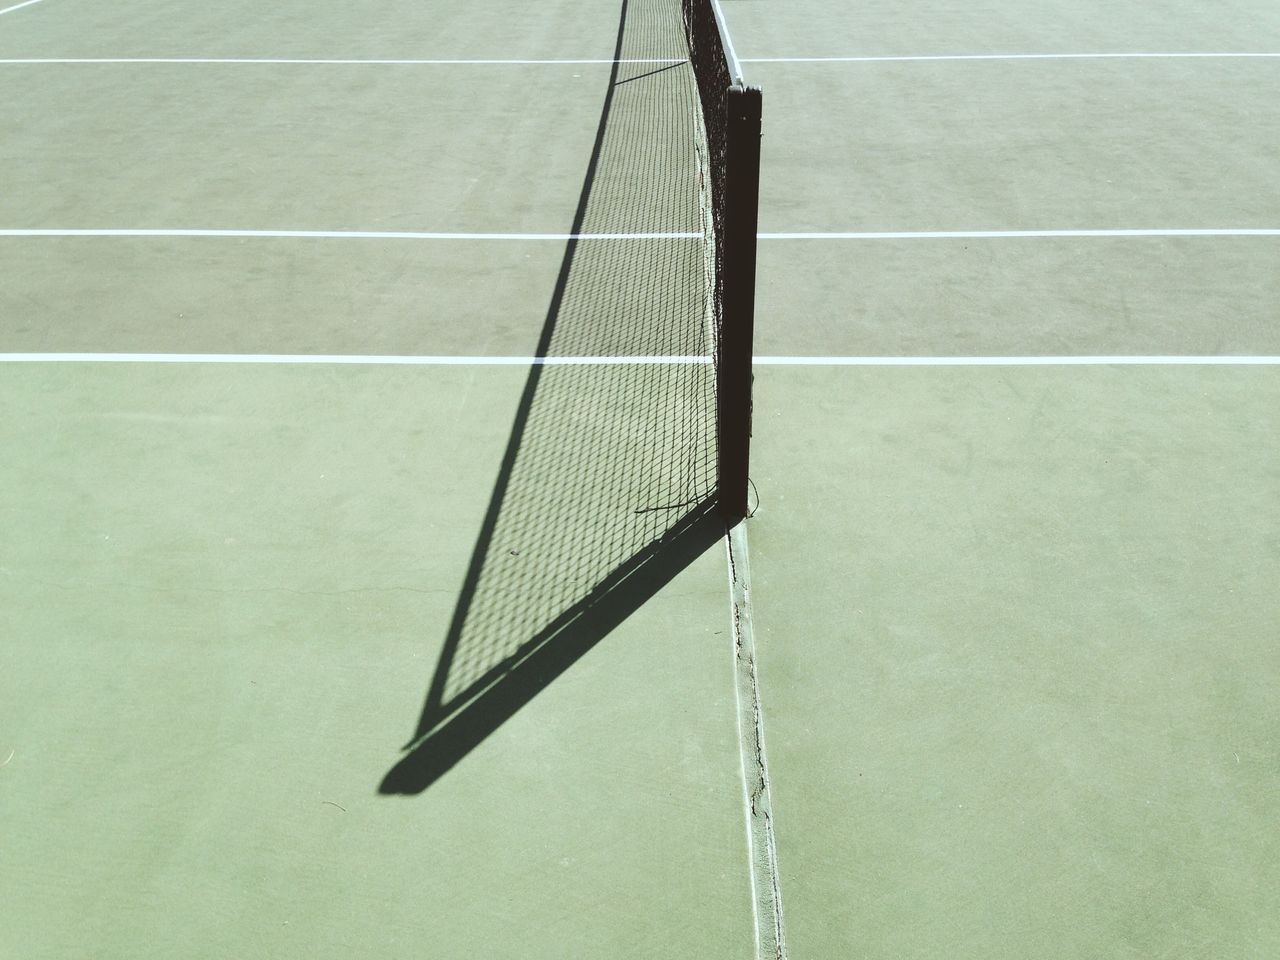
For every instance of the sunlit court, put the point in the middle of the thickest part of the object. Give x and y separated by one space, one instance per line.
639 478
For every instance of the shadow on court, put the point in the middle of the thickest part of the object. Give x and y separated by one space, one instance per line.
606 489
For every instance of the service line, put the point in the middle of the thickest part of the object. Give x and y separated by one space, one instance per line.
1017 56
281 61
760 361
338 234
1021 234
689 235
344 359
1015 361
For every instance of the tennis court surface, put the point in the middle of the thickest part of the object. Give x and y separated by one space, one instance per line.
368 578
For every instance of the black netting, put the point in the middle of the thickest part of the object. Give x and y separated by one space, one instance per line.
606 460
713 78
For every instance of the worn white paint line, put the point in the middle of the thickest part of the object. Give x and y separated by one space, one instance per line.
762 361
316 62
424 62
675 235
374 360
766 889
735 65
339 234
1066 361
17 6
1019 56
1023 234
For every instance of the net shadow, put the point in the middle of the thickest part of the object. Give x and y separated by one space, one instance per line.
606 490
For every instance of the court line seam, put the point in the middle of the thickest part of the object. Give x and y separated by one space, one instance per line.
766 887
762 361
18 6
916 58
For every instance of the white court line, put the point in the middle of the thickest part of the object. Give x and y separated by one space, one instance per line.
1017 56
735 65
1021 234
1068 361
317 62
553 62
305 358
835 235
766 887
18 6
762 361
344 234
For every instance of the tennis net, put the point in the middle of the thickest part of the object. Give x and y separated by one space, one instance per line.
730 148
612 474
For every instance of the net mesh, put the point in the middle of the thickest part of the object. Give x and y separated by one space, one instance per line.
712 79
605 459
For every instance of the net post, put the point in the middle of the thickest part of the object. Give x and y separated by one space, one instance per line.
742 190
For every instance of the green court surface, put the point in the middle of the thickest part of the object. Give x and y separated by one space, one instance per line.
335 627
1017 620
1047 296
397 29
1084 144
402 152
275 296
889 28
1034 714
224 593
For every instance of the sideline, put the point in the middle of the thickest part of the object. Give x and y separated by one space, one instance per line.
766 890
